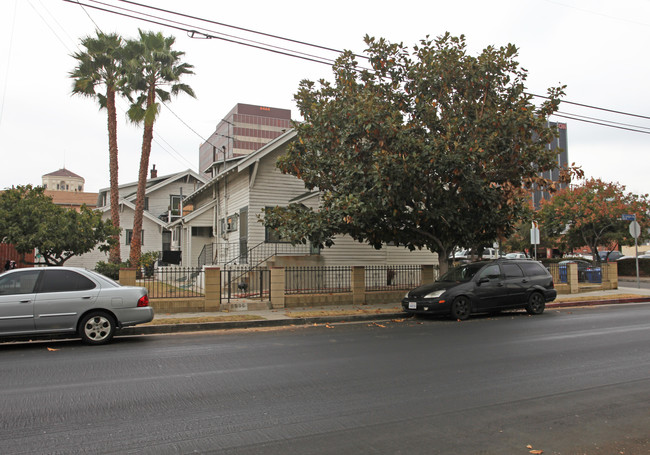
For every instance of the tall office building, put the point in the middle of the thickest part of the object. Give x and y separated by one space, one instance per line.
243 130
559 144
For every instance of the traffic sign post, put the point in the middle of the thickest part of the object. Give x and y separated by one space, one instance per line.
534 236
635 231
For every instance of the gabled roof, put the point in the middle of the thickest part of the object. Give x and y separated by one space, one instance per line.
158 182
193 214
247 160
131 205
63 173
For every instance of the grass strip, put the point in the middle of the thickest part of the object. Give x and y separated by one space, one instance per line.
201 319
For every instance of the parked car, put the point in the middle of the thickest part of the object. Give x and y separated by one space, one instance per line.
484 286
69 300
515 256
610 256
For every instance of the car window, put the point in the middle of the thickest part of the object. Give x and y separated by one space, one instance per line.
63 281
18 283
490 272
462 273
512 271
533 268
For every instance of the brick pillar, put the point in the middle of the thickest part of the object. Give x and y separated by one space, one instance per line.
278 281
212 300
428 274
572 277
358 285
127 277
610 275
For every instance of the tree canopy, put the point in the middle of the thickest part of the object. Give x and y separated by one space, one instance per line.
589 214
30 220
154 75
430 149
102 64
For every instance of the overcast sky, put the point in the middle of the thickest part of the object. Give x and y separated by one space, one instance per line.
599 49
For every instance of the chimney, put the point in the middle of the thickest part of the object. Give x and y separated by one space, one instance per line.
154 172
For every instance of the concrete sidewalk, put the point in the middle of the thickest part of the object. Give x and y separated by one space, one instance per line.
190 322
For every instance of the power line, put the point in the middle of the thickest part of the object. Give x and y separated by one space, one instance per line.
193 32
595 107
607 121
601 124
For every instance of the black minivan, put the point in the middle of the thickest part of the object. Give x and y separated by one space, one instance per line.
485 286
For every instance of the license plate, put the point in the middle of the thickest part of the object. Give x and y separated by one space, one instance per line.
413 306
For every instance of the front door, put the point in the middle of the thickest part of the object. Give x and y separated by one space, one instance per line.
243 236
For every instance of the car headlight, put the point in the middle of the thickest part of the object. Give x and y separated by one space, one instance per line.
435 294
406 296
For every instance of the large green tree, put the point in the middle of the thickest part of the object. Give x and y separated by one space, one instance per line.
30 220
433 148
155 74
101 66
589 214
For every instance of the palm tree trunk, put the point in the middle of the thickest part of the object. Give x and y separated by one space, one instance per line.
114 255
147 137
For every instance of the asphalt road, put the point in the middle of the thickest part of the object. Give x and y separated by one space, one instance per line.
568 382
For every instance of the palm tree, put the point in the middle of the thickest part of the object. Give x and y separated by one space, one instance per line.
155 72
101 65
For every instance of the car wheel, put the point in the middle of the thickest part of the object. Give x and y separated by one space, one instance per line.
97 328
536 303
461 308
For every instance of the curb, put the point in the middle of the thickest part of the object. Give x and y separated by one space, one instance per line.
207 326
262 323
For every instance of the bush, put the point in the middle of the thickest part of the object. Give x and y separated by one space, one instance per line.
627 267
109 269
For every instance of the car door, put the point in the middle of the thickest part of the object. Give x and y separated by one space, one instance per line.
17 301
516 283
62 296
490 290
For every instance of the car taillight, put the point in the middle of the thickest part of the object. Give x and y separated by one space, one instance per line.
144 301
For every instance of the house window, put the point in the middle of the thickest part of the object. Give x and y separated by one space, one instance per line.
129 236
175 204
146 203
271 235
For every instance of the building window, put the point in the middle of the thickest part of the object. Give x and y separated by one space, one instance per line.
129 236
175 204
271 235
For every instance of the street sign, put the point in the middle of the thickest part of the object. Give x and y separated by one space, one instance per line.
635 229
625 217
534 236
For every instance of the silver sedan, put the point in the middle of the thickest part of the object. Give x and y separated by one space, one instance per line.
69 300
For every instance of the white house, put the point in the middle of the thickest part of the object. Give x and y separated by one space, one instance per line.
224 226
163 205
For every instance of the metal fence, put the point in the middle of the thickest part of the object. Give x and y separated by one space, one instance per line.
587 274
318 280
392 277
245 283
173 282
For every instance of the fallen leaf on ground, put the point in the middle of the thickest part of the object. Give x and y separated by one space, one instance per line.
52 349
397 320
536 452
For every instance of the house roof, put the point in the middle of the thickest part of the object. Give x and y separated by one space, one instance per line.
72 198
63 173
247 160
158 182
131 205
